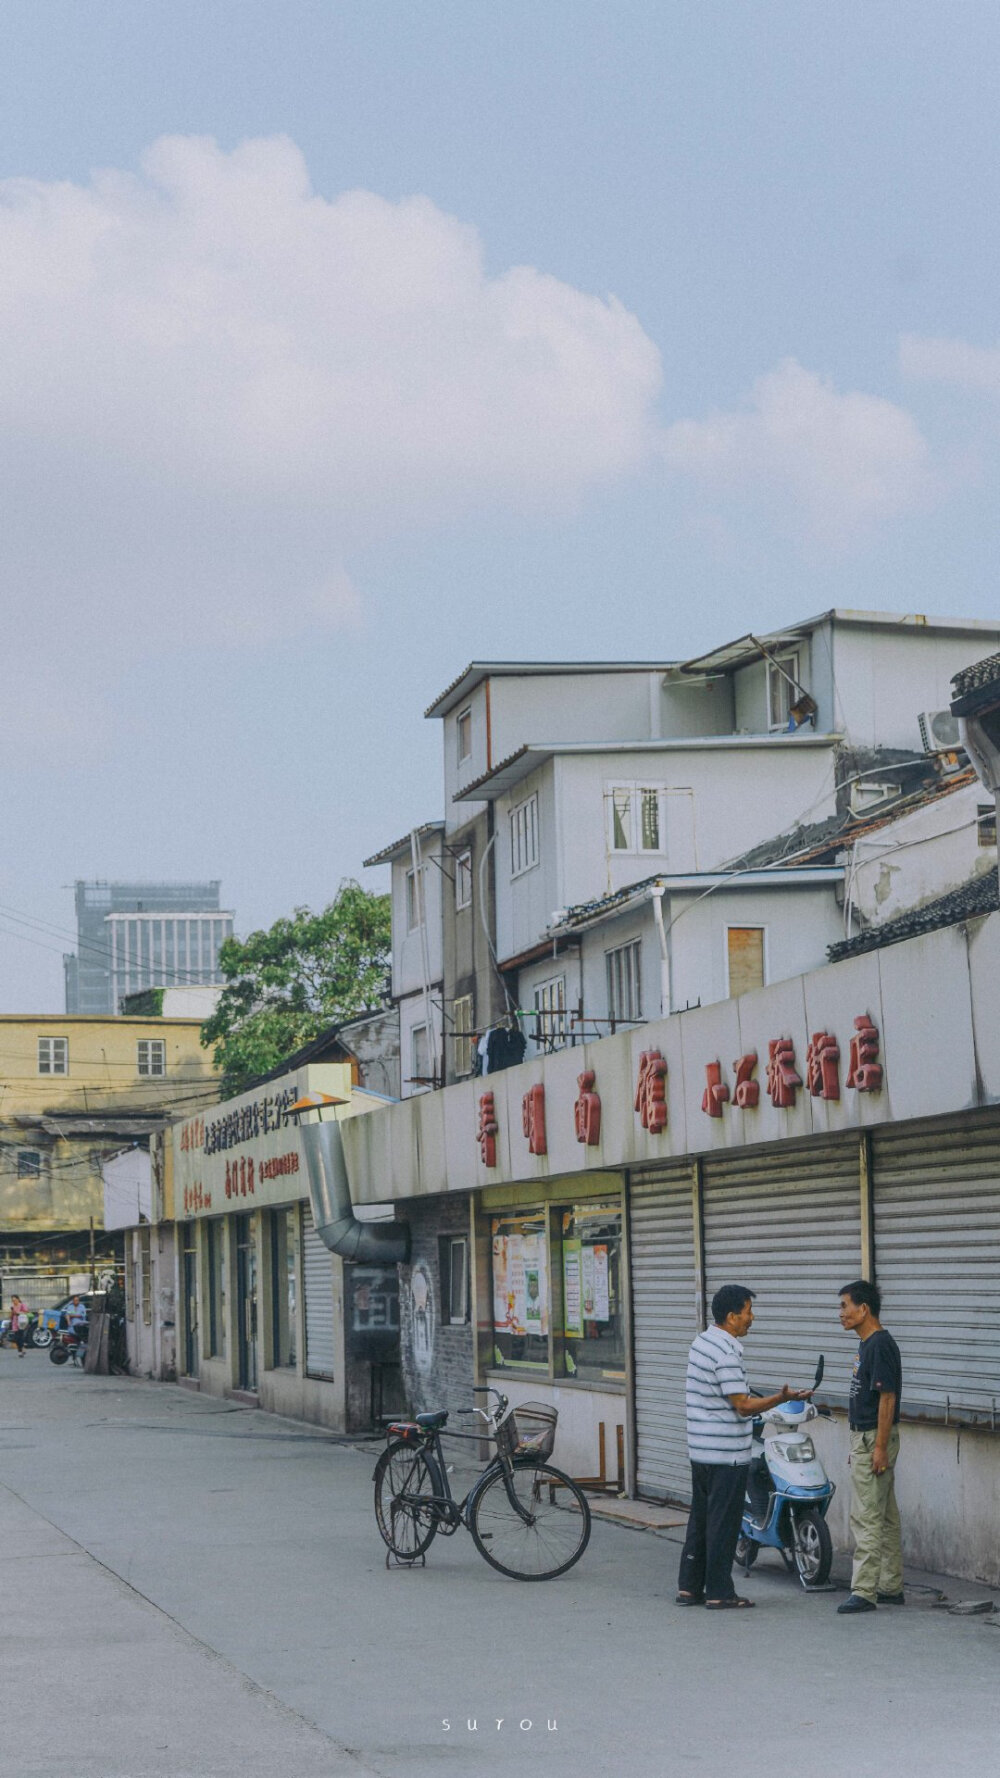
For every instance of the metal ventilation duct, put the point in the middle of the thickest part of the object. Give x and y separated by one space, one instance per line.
371 1243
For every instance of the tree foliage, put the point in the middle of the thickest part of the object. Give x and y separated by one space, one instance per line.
286 985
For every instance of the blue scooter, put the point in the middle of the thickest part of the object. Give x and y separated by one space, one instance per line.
788 1493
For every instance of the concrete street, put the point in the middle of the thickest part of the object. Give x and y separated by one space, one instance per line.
192 1589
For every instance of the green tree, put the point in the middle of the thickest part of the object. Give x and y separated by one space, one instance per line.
286 985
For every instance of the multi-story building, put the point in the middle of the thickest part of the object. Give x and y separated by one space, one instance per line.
133 936
76 1090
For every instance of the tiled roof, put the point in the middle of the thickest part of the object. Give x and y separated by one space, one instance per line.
973 685
980 896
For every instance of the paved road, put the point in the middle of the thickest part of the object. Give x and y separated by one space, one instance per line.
190 1589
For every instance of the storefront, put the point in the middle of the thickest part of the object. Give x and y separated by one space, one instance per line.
268 1314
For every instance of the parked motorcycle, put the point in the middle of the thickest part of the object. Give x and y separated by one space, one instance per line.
788 1494
67 1347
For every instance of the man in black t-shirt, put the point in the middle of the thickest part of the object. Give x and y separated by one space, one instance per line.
876 1393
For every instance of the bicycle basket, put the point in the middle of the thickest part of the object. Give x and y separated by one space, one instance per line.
536 1430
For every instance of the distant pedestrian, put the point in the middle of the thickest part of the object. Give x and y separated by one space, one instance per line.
873 1412
19 1321
720 1409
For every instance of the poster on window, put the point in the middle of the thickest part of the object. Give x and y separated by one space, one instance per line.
572 1311
594 1282
520 1296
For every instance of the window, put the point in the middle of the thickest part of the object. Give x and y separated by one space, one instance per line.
550 1006
464 731
520 1262
453 1255
420 1057
53 1055
152 1056
635 817
29 1163
593 1323
415 898
524 835
462 1033
744 958
463 880
624 973
216 1230
284 1250
986 824
781 694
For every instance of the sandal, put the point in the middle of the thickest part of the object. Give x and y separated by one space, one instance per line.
736 1603
690 1599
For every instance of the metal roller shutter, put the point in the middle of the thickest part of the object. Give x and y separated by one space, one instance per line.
787 1224
317 1275
936 1195
661 1224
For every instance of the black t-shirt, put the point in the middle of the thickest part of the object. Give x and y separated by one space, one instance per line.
878 1366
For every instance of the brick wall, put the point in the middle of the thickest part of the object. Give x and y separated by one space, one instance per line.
437 1357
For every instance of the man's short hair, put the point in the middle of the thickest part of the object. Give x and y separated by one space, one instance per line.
730 1300
863 1295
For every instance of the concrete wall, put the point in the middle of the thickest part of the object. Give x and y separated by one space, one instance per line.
886 677
919 857
437 1358
407 950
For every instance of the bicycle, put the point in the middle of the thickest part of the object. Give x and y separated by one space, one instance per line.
511 1510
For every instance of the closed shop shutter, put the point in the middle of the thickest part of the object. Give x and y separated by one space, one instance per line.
787 1223
936 1191
317 1274
664 1310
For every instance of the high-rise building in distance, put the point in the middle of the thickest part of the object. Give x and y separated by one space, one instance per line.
132 936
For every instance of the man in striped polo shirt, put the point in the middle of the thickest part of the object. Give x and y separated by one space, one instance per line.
720 1409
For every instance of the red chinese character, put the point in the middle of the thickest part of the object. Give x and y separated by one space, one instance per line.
229 1182
587 1110
533 1119
822 1056
865 1070
782 1078
651 1092
716 1091
250 1184
486 1135
747 1094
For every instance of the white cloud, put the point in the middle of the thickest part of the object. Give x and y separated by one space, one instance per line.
950 361
827 464
215 385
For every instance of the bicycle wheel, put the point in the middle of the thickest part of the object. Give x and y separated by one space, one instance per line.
404 1491
551 1535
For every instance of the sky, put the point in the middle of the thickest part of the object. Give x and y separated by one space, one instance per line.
344 343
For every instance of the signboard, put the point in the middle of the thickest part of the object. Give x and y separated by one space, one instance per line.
247 1152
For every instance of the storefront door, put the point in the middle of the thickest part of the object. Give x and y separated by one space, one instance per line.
190 1287
246 1292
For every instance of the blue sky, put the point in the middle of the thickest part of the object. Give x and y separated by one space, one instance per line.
344 343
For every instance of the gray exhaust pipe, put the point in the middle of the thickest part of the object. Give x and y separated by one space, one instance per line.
371 1243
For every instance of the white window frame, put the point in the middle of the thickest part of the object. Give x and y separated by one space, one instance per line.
53 1055
524 835
420 1074
462 1008
155 1052
416 898
623 979
457 1249
635 790
551 1026
463 879
745 926
463 733
791 660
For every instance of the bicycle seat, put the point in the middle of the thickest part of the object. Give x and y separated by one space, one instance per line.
431 1422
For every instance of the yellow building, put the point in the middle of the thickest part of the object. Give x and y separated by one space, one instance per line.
72 1092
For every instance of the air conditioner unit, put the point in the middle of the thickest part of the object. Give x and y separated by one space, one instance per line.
939 731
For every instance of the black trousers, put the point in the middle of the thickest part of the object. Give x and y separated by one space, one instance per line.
717 1494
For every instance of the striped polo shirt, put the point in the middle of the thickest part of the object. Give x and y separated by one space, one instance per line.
716 1433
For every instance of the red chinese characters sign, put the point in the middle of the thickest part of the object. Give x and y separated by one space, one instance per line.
865 1070
822 1058
747 1095
716 1090
783 1079
651 1092
587 1110
486 1134
533 1119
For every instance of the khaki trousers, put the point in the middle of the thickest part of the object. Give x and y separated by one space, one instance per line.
878 1550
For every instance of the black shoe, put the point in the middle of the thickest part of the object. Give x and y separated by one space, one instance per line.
854 1602
891 1598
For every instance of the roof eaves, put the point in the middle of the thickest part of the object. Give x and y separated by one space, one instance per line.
392 851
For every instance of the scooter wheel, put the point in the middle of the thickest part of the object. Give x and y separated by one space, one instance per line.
747 1552
58 1355
813 1549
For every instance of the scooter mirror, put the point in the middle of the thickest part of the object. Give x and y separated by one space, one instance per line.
819 1371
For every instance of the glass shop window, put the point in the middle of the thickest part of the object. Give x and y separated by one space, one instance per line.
520 1291
593 1330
